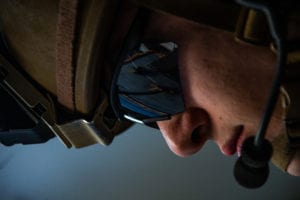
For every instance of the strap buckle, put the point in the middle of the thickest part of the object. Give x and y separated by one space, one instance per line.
41 110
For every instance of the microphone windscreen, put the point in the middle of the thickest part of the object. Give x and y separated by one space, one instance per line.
252 168
250 177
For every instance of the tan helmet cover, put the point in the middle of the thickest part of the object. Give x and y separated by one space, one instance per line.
32 30
61 45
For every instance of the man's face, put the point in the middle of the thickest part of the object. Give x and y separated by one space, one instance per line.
225 84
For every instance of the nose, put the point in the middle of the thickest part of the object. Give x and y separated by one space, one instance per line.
186 132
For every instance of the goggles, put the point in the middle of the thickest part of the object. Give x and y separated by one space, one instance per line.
146 85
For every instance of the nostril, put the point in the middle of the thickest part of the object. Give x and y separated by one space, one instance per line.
197 135
200 134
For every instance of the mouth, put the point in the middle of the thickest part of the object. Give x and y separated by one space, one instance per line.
233 145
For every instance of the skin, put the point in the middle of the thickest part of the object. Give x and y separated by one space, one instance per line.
225 83
219 99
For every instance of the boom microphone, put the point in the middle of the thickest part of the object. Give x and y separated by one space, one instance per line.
252 168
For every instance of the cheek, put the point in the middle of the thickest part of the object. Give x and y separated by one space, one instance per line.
229 91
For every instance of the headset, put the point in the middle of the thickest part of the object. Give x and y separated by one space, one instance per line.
251 170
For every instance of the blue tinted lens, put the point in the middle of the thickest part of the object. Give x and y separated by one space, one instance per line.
149 84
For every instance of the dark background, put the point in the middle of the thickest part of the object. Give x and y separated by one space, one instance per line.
138 165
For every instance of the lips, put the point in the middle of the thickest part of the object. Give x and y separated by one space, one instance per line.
233 144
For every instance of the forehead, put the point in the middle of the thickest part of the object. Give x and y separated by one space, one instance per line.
218 13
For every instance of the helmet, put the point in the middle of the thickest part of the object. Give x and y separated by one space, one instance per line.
56 51
55 66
